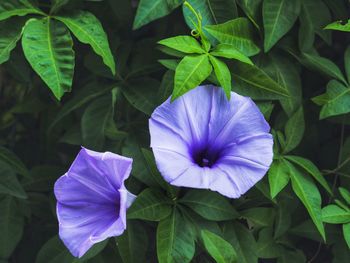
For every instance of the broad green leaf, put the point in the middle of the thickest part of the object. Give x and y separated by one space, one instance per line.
47 45
83 96
229 51
11 226
312 169
10 32
150 205
255 83
54 251
346 233
334 214
223 74
209 205
238 33
175 242
345 194
132 245
12 160
88 30
339 25
95 120
9 8
191 72
252 10
266 108
279 17
221 250
335 101
322 65
166 86
278 176
283 219
294 130
309 195
169 63
149 10
8 182
212 11
267 246
259 216
184 44
347 63
242 241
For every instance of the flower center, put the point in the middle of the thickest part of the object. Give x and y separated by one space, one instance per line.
204 158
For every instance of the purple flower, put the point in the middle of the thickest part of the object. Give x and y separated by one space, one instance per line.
202 140
92 199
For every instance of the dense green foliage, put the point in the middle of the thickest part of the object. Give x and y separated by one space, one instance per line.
90 72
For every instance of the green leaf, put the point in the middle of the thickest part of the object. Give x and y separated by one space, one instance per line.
335 101
252 10
191 72
218 248
9 183
339 25
10 32
347 63
209 205
223 74
334 214
294 130
259 216
184 44
11 226
88 30
9 8
11 159
166 86
345 194
57 5
279 17
170 64
238 33
150 205
267 247
175 242
132 245
229 51
255 83
47 45
95 120
149 10
312 169
309 195
322 65
242 240
346 233
278 176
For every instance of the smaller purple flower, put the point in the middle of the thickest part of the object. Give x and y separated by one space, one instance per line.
92 199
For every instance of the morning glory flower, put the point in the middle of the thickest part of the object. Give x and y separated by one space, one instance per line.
202 140
92 199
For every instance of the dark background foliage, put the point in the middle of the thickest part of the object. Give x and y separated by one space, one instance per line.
300 80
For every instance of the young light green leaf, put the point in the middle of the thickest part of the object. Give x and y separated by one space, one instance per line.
13 161
150 205
11 8
9 183
88 30
346 233
335 101
312 169
149 10
10 32
278 176
294 130
279 17
221 250
184 44
191 71
345 193
334 214
309 195
238 33
209 205
47 45
222 74
175 242
229 51
339 25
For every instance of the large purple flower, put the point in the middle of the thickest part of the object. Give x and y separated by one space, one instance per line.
202 140
92 199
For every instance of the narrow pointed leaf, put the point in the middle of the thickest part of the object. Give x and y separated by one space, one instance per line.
294 130
229 51
222 74
184 44
334 214
278 176
9 8
339 25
